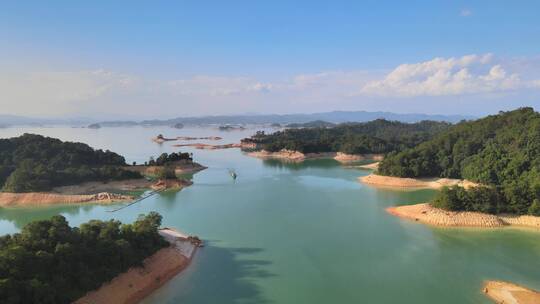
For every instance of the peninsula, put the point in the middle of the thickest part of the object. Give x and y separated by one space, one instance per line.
487 170
38 171
347 142
505 292
98 262
140 281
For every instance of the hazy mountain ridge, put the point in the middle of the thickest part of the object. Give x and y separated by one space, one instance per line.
333 117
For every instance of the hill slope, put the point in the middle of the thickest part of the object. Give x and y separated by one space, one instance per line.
36 163
501 151
378 136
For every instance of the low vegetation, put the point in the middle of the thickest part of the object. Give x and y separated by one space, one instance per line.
50 262
31 163
500 151
378 136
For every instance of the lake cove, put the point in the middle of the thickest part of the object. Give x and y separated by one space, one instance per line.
299 232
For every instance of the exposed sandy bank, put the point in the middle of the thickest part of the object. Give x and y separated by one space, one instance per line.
139 282
42 199
179 168
427 214
508 293
298 156
112 186
400 182
88 193
373 166
343 157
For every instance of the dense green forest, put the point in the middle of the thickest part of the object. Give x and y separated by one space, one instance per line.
166 158
378 136
312 124
37 163
501 151
51 262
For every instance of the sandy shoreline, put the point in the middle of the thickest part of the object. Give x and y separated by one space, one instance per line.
427 214
415 183
139 282
36 199
88 193
508 293
296 156
372 166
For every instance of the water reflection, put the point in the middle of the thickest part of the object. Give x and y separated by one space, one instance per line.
218 275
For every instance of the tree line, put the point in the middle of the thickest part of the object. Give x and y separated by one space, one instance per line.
50 262
37 163
500 151
378 136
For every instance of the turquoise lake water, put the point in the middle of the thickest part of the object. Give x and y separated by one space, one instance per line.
299 233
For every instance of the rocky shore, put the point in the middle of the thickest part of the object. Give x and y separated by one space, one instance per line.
508 293
37 199
372 166
296 156
417 183
427 214
89 193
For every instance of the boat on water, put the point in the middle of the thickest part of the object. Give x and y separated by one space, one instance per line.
233 174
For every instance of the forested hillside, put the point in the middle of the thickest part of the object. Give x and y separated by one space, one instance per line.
50 262
501 151
378 136
37 163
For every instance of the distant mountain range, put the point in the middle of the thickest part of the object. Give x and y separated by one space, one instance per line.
333 117
245 119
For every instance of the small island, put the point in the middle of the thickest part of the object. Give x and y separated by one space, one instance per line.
39 171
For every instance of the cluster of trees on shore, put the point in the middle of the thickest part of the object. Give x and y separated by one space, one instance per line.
168 158
51 262
500 151
36 163
378 136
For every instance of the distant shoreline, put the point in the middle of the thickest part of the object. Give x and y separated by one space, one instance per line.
427 214
296 156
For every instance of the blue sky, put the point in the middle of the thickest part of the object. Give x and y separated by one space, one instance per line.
224 57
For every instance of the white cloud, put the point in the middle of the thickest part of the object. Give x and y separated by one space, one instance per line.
423 84
471 74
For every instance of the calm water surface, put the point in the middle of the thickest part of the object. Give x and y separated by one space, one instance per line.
300 233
